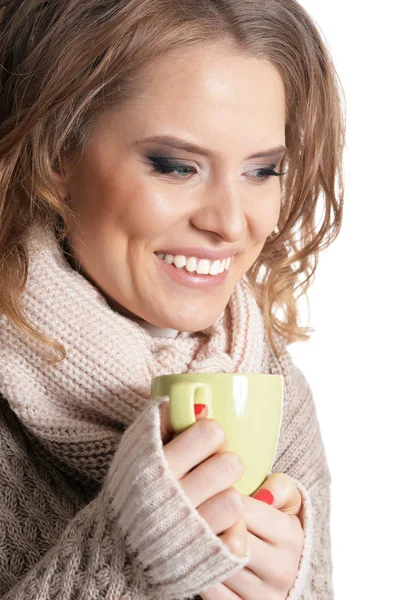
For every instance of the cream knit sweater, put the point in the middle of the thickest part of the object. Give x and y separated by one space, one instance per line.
88 506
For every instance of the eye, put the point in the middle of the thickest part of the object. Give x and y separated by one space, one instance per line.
267 172
166 167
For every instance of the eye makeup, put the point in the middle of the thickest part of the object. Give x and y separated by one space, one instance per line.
168 166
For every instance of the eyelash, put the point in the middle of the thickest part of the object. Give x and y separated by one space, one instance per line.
165 167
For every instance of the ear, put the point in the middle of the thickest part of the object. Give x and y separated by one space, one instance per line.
60 176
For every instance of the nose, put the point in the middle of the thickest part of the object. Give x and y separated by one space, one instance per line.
221 212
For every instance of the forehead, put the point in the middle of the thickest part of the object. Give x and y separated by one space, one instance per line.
218 96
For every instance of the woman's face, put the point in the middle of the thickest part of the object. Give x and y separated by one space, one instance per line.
217 203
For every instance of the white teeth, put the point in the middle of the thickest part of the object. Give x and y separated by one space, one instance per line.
215 268
191 265
180 261
203 266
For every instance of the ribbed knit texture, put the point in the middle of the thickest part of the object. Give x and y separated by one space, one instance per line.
88 506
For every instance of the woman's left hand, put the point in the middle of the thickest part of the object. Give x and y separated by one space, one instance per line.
275 541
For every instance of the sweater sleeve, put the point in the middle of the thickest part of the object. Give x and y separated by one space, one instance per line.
140 538
301 454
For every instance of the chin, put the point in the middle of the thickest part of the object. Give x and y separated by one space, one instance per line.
193 323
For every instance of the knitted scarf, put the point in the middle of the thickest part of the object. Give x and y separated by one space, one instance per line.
82 405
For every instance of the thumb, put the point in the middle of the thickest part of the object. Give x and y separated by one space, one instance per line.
285 495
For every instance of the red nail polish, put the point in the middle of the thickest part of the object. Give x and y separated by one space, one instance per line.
198 408
264 496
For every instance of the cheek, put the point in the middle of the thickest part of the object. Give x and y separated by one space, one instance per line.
264 217
145 211
108 194
131 206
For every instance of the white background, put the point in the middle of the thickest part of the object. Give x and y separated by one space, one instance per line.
351 361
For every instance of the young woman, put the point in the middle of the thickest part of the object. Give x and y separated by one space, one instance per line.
160 168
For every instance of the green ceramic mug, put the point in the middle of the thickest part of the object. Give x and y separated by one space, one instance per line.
248 405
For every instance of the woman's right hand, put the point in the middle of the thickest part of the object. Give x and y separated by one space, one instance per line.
206 474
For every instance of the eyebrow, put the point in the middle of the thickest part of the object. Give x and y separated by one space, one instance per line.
175 142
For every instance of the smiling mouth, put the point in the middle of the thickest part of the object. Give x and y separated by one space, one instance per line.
196 266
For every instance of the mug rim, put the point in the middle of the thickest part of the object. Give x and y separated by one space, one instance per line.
219 374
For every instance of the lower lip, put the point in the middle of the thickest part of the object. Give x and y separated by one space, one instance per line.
192 280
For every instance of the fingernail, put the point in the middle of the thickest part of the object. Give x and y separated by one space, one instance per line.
198 408
264 496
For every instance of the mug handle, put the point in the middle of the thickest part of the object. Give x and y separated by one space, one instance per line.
182 397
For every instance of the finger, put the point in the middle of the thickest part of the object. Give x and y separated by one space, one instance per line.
219 592
223 510
201 411
247 585
217 473
167 431
287 497
212 476
194 445
272 565
235 538
269 524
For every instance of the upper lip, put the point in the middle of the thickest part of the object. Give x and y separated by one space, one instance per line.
200 253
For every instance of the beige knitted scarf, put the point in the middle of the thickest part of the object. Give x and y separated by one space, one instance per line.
82 405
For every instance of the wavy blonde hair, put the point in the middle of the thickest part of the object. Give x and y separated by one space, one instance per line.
63 63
